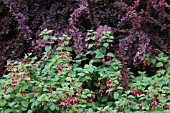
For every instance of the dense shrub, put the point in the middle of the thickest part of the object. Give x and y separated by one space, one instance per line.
90 82
138 26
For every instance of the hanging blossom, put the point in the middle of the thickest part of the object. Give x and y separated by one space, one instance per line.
22 93
154 102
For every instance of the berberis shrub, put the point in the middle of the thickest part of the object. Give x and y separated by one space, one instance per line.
85 83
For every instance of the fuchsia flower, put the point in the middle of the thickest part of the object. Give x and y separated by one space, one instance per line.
23 76
51 90
101 91
139 105
59 69
144 63
108 83
99 83
69 99
107 91
13 81
61 52
7 69
34 91
68 64
91 100
103 60
136 93
154 102
22 93
4 89
13 75
86 44
63 103
110 60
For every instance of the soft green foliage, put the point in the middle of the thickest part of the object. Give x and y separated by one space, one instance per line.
89 83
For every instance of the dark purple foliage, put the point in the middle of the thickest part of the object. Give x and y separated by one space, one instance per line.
139 26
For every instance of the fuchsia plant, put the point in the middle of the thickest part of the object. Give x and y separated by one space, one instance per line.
90 82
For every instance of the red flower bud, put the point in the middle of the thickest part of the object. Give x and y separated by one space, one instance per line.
22 93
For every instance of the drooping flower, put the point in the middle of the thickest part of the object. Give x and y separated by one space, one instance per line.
139 105
144 63
101 91
108 91
108 83
13 81
91 100
154 102
51 90
34 91
4 89
22 93
86 44
103 60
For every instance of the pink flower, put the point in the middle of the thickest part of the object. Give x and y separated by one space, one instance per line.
154 102
63 103
61 52
86 44
139 105
99 83
91 100
7 69
34 91
107 91
110 60
13 81
144 63
4 89
70 100
13 75
23 76
103 60
101 91
108 83
59 69
22 93
51 90
68 64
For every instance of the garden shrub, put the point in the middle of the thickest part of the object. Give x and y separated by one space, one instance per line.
138 26
91 82
56 82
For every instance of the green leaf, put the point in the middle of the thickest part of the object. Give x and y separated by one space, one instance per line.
153 61
83 96
59 48
29 111
6 96
43 97
46 37
105 44
7 111
2 102
116 95
145 104
47 48
68 48
110 54
104 99
53 38
90 45
161 54
131 96
159 64
52 107
24 103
